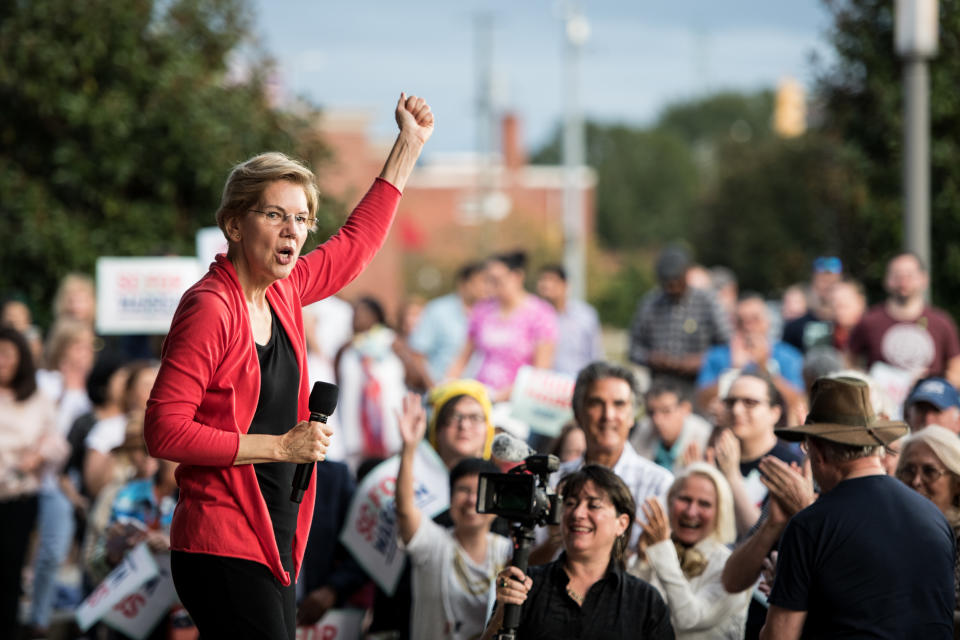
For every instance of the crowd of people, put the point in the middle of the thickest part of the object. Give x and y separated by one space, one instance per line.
788 468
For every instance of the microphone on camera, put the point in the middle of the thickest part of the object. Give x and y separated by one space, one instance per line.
509 449
323 401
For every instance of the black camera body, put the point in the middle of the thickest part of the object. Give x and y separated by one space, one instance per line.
522 495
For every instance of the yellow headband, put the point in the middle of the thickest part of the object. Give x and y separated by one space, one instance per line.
443 393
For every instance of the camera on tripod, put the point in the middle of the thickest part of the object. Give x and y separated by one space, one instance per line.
523 495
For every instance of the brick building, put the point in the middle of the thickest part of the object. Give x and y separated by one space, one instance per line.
456 208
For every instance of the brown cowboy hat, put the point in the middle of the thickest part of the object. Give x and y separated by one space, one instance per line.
841 411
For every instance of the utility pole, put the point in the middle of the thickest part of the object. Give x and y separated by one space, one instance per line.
915 34
483 59
576 33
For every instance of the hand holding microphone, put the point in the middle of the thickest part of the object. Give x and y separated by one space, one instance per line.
308 441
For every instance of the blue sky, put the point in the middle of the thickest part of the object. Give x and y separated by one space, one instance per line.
640 56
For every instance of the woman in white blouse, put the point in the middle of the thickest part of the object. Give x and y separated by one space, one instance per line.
683 555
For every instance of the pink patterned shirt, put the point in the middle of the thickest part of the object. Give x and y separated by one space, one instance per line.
506 343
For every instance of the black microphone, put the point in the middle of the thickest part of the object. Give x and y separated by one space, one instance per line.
323 400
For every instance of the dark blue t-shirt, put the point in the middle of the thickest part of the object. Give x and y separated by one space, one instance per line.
871 558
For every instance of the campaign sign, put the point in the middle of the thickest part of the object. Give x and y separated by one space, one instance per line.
138 613
542 399
140 295
370 532
336 624
896 383
138 568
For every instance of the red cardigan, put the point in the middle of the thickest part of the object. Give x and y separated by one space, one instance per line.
209 382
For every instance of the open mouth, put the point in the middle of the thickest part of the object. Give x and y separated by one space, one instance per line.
285 255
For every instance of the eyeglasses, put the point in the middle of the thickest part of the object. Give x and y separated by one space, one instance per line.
468 418
928 473
748 403
278 218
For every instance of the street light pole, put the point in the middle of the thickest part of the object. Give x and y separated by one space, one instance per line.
576 32
915 35
916 158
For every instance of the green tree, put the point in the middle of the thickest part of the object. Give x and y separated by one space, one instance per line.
778 204
647 182
119 120
861 93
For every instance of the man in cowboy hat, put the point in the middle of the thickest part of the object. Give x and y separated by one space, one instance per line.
870 558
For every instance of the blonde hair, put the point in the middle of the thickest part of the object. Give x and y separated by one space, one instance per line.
724 528
248 180
72 281
63 334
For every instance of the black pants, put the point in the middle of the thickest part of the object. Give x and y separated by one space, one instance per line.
232 598
18 516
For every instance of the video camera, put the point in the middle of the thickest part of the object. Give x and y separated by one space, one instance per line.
522 495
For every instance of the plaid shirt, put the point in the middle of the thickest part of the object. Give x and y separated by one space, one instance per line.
691 324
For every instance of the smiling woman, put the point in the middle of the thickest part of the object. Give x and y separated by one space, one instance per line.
230 403
586 593
683 555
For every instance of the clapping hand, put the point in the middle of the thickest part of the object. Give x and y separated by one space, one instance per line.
727 453
414 117
791 488
657 527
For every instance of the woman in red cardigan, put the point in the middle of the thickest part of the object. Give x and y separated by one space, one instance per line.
230 403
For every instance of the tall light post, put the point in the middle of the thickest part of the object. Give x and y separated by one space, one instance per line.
576 33
915 35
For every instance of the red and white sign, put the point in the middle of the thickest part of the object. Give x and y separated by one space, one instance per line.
542 399
140 295
138 568
336 624
370 531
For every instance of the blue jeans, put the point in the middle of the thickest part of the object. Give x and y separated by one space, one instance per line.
55 528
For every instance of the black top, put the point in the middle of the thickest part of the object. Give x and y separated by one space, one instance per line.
617 606
276 414
780 450
871 558
326 562
808 331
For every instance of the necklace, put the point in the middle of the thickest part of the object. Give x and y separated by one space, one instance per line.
576 596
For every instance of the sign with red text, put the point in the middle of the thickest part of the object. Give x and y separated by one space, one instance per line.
138 568
336 624
140 295
542 399
370 532
138 613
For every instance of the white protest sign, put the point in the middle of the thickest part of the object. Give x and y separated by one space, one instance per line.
542 399
140 295
370 532
138 567
137 614
336 624
210 242
895 382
